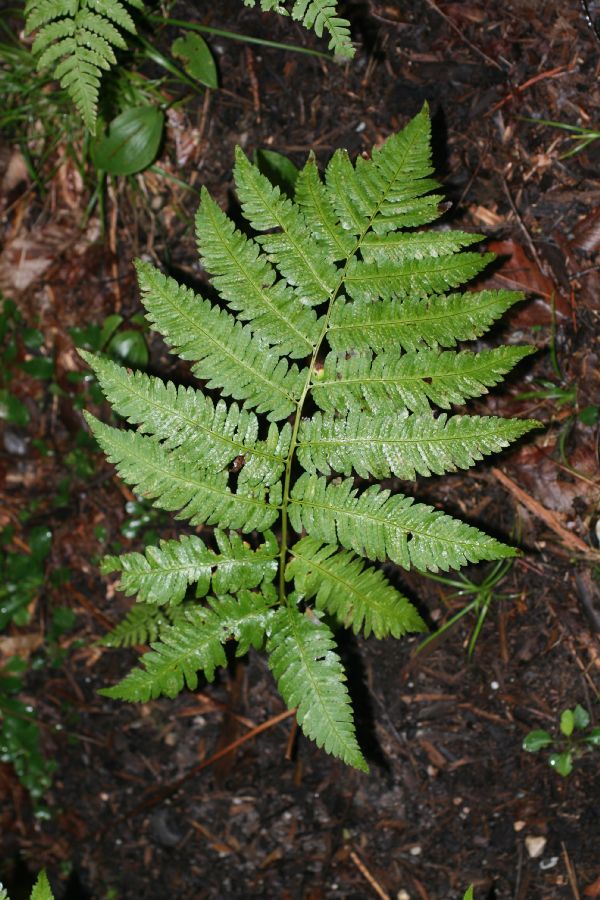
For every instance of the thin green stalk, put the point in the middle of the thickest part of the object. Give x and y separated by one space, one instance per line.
235 36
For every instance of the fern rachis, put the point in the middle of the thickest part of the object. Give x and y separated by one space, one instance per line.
371 364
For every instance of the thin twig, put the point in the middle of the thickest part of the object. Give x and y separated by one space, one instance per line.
523 228
541 76
492 62
573 541
570 873
157 796
367 875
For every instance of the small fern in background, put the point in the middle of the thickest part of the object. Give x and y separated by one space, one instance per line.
334 341
320 15
76 39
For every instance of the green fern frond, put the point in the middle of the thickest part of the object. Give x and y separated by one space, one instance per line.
143 624
226 354
320 15
310 676
389 382
359 597
414 323
333 305
76 38
381 526
196 644
402 445
173 482
162 575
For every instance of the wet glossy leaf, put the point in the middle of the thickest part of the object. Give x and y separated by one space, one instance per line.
39 367
567 722
562 762
536 740
32 338
109 326
40 541
197 59
593 737
581 717
132 141
129 347
12 410
280 170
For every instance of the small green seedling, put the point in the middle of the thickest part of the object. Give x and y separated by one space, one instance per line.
483 593
576 739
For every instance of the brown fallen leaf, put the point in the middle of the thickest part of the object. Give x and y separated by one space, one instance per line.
593 889
519 273
22 645
573 541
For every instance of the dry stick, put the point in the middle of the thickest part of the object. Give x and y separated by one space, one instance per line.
573 541
541 76
162 793
570 873
366 874
523 228
488 59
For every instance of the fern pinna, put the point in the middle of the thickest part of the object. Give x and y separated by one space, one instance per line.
333 339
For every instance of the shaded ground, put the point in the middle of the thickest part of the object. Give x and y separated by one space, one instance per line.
451 798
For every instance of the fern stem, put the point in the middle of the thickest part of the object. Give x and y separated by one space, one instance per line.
307 385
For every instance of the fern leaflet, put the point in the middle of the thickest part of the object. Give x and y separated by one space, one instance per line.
162 575
357 596
143 624
196 644
310 676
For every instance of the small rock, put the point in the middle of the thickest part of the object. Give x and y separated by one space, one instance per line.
535 845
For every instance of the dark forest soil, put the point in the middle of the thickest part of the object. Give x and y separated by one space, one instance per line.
451 798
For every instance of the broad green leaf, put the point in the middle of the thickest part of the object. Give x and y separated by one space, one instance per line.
279 169
197 58
567 722
562 762
132 141
129 348
536 740
581 717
